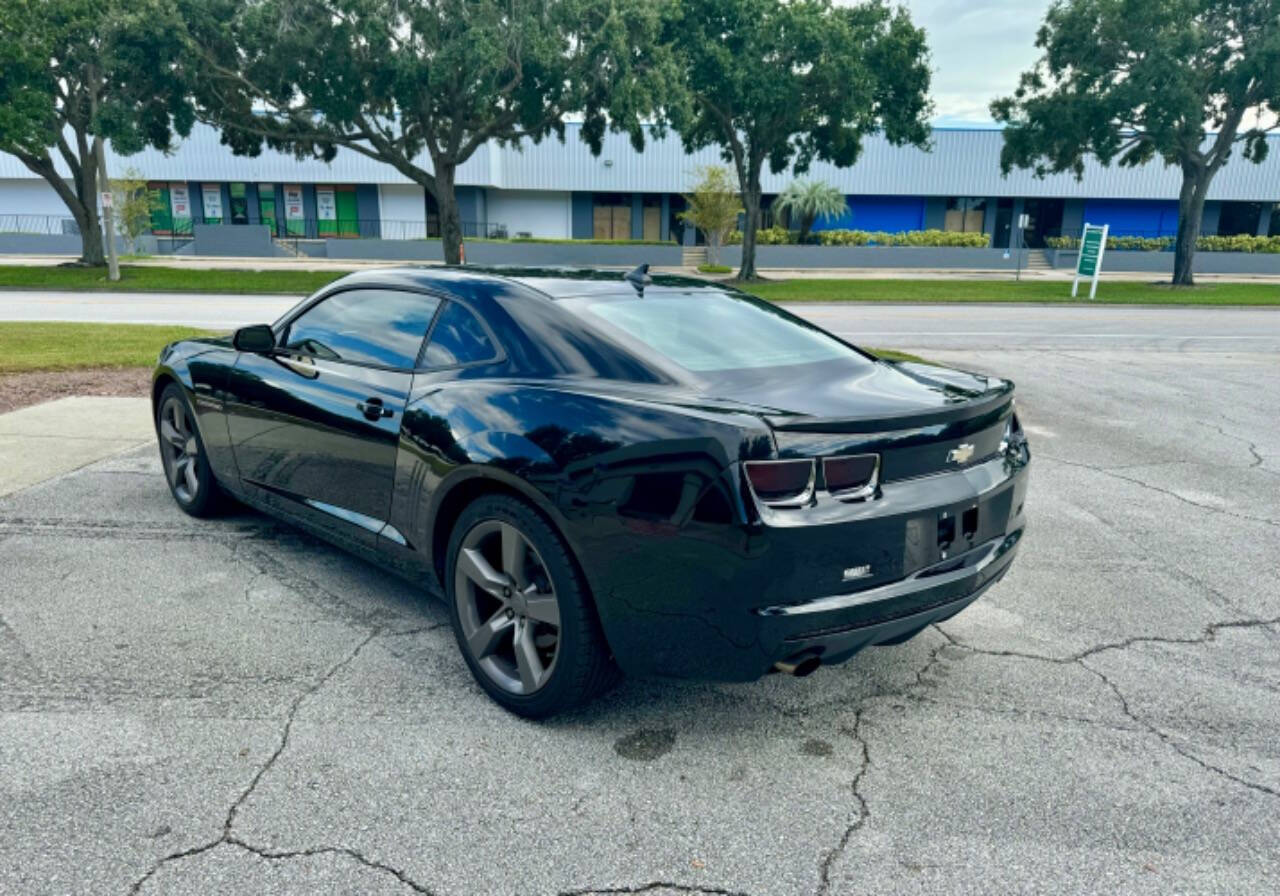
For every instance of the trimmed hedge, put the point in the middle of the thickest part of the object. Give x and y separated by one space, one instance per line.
1238 243
780 236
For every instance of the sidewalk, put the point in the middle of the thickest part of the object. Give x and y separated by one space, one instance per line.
47 440
209 262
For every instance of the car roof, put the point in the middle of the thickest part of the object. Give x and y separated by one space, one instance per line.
556 283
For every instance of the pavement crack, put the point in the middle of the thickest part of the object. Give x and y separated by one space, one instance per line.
651 887
1209 634
1114 474
354 854
227 836
864 811
1170 741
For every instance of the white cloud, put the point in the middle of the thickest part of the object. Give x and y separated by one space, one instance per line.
979 49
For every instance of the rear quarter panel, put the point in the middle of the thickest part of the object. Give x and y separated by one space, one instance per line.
608 472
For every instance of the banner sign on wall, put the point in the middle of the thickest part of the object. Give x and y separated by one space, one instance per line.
212 196
294 216
293 202
326 204
180 202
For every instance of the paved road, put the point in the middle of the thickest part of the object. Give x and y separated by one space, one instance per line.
903 326
229 706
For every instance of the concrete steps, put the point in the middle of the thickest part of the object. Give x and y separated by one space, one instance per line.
692 256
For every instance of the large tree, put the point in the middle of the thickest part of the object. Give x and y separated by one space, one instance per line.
76 73
397 81
1130 80
789 81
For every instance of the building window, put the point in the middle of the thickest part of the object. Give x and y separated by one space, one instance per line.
964 215
1239 217
1274 228
611 216
239 204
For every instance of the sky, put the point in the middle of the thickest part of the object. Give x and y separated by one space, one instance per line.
979 48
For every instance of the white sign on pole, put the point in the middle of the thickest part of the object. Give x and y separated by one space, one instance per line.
212 196
326 204
179 201
1093 245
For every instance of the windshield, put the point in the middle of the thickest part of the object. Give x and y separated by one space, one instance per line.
706 331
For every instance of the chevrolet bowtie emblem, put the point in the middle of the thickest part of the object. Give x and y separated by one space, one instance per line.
960 454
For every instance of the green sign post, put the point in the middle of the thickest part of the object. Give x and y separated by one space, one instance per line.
1093 245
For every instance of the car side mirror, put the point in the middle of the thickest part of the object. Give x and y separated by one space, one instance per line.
258 338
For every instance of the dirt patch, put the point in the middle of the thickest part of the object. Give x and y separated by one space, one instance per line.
18 390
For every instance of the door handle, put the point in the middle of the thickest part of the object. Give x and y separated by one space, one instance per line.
373 409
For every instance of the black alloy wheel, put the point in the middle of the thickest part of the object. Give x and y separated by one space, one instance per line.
521 613
186 467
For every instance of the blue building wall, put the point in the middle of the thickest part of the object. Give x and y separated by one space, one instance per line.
368 210
892 214
1134 217
580 216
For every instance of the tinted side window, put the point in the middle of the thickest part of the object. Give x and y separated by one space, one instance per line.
365 326
458 338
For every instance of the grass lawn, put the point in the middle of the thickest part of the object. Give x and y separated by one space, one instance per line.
142 278
293 282
67 346
1115 292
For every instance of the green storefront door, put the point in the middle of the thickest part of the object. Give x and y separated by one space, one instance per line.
267 206
348 214
161 211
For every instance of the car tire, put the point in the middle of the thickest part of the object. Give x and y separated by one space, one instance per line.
182 453
500 608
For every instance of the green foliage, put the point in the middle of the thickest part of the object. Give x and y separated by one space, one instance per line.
789 82
713 207
1132 80
780 236
397 81
133 205
74 73
714 268
1242 242
807 201
945 238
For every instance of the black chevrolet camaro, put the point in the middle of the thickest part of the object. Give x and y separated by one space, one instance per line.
608 473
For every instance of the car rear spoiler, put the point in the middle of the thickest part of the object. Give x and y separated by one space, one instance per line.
964 407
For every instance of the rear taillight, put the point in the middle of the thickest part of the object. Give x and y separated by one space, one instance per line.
852 478
781 483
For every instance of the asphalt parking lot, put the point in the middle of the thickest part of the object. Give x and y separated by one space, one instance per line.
233 707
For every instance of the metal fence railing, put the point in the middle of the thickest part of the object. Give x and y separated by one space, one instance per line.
41 225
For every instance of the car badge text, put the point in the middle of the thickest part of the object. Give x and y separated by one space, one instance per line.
960 454
857 572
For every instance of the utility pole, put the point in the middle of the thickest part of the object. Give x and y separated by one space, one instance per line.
104 186
108 217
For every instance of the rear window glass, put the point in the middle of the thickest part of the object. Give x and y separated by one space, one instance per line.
708 331
458 338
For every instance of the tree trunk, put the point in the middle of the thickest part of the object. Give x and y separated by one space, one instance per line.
750 205
92 249
447 206
806 225
1195 186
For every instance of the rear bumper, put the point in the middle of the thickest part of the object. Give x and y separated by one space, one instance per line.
899 609
727 603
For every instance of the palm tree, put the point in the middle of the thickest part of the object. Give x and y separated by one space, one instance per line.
809 200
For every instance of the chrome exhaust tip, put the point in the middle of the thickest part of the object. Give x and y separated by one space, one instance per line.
799 666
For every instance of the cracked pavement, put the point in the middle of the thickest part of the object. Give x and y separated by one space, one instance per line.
232 706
